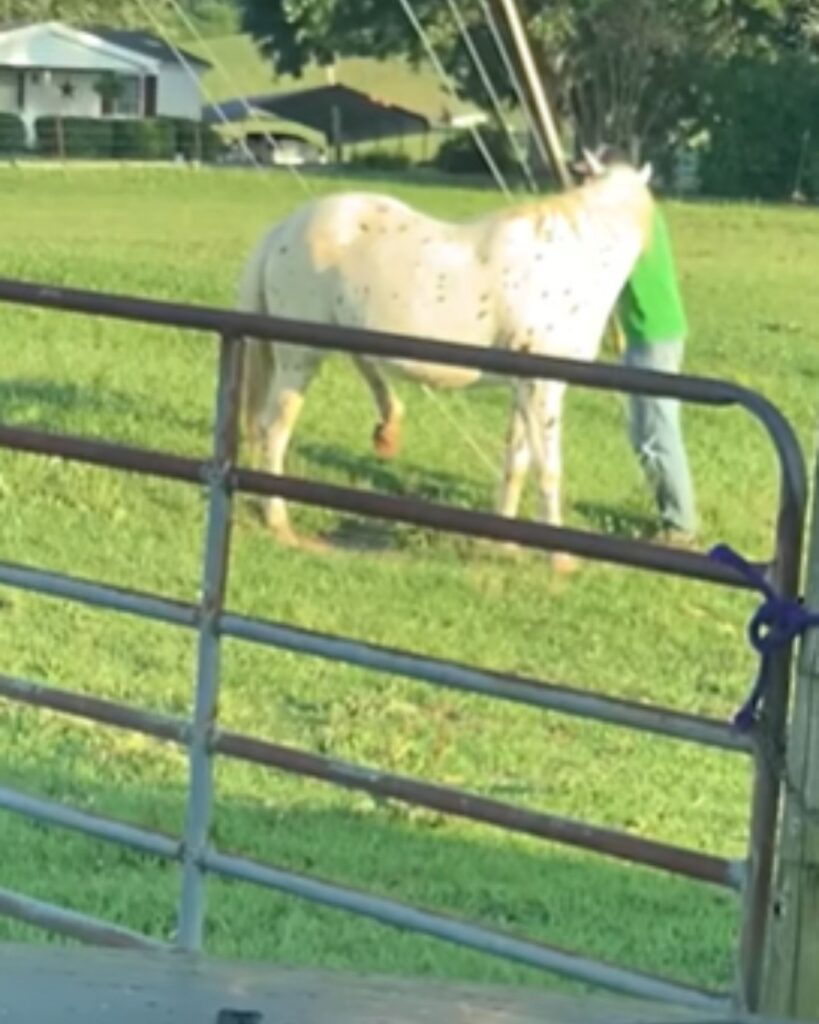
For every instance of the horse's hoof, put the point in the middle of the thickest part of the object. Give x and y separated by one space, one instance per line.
314 545
284 535
564 564
387 440
287 537
509 549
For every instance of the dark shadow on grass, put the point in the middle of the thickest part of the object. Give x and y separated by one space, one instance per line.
609 519
54 400
403 478
602 908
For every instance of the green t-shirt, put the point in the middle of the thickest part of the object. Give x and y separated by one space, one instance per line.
650 306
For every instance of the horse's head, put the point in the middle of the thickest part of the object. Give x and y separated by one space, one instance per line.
607 180
607 160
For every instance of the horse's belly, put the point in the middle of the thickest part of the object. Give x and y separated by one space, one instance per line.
437 375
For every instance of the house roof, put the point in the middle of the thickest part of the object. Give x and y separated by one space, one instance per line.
145 43
138 43
362 118
33 45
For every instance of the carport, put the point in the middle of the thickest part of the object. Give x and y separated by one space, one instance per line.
341 114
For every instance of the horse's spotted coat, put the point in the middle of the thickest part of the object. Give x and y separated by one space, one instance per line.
540 277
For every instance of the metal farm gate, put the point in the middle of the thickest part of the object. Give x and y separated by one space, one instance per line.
751 878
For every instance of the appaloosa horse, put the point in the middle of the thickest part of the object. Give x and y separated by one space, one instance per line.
541 277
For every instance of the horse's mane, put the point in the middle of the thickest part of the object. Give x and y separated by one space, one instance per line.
620 194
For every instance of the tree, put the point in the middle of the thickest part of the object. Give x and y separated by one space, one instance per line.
210 16
626 70
113 12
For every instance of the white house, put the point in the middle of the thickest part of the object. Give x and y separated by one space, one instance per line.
53 69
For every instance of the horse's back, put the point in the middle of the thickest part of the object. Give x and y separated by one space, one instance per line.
288 272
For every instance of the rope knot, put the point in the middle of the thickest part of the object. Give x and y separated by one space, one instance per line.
776 623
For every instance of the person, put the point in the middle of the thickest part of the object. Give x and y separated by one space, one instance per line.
654 327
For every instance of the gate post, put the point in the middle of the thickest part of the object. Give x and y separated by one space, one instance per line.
791 983
214 580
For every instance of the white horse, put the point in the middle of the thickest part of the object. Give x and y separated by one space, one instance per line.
541 277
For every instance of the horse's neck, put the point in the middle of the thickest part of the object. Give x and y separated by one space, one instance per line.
559 273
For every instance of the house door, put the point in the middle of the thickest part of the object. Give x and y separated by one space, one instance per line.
150 96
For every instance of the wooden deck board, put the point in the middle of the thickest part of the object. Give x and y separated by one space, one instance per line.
66 985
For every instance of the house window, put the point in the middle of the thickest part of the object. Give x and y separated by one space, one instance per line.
119 96
127 103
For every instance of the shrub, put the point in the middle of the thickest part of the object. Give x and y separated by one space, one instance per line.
127 140
196 141
82 137
459 154
152 139
12 134
376 161
159 138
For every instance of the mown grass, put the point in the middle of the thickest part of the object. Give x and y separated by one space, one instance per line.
748 277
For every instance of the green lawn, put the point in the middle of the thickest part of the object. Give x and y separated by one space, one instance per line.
748 274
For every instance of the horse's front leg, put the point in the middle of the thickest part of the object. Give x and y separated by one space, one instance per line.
518 455
544 417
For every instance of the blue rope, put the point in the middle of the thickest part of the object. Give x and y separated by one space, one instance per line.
776 623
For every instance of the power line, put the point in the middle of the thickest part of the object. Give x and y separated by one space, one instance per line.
515 81
185 64
497 174
231 82
486 79
144 4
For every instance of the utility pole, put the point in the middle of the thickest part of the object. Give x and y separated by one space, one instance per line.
545 122
791 980
534 88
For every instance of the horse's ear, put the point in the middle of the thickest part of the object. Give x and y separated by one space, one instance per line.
594 164
645 173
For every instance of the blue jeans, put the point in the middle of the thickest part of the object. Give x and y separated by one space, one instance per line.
656 437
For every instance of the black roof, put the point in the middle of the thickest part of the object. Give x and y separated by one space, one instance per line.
145 43
361 117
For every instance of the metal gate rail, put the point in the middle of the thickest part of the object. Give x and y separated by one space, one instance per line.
211 621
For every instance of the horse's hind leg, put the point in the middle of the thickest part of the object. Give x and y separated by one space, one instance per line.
544 420
387 433
284 403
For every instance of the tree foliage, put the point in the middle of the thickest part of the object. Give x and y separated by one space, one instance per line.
113 12
210 16
629 71
763 125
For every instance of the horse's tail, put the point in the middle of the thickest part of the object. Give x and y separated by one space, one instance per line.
259 360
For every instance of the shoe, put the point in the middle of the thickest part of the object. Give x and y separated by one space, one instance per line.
677 538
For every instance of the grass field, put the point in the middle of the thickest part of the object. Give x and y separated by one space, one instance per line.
748 274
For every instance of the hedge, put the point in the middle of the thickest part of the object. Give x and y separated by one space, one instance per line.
196 141
12 134
459 154
81 136
153 139
159 138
